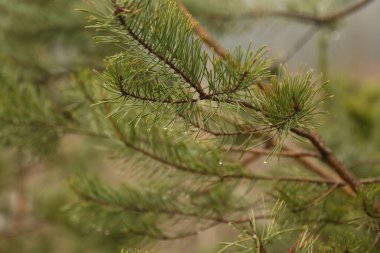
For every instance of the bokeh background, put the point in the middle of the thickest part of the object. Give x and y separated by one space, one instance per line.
44 42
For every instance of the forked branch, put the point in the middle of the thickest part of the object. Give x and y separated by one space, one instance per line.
298 16
326 155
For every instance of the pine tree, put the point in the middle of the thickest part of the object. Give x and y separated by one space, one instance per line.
182 124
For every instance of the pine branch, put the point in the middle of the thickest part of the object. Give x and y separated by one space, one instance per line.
327 156
228 176
167 62
125 93
169 212
202 33
206 173
147 45
282 107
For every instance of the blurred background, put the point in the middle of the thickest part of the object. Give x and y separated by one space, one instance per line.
45 43
353 41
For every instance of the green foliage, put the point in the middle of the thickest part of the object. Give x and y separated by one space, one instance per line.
321 227
258 237
28 117
290 102
152 132
164 38
238 73
46 40
160 78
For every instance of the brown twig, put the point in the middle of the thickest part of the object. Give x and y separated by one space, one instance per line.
180 167
126 93
236 133
310 163
298 16
119 14
203 34
326 155
284 153
373 180
329 158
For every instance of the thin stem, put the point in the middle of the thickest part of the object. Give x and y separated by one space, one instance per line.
374 180
329 158
203 34
284 153
151 50
125 93
313 165
169 212
236 133
327 155
298 16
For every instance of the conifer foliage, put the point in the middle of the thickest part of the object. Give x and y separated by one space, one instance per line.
178 118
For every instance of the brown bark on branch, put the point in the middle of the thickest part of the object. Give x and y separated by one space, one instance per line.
329 158
326 155
298 16
203 34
